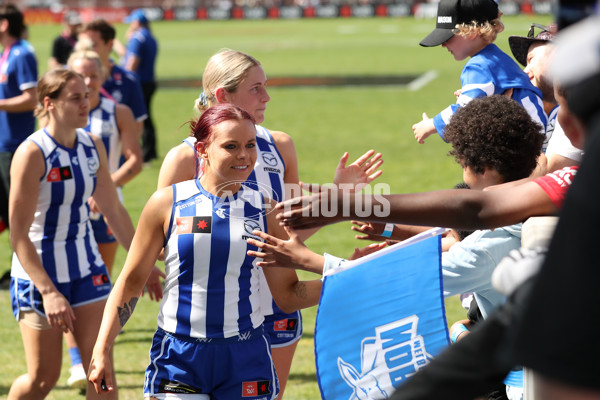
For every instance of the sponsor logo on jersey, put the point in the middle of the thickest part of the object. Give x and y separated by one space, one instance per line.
256 388
100 280
194 225
288 324
270 159
444 19
166 386
275 170
59 174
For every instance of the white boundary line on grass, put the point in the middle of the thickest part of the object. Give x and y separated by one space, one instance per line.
422 80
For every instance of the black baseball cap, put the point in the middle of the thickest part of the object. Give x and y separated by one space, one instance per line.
453 12
519 45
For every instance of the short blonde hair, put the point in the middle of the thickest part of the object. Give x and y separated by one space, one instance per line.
87 55
226 69
488 30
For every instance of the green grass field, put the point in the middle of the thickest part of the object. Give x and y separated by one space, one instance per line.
323 121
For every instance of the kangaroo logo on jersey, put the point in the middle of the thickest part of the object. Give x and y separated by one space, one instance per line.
59 174
288 324
93 165
387 359
194 225
249 226
256 388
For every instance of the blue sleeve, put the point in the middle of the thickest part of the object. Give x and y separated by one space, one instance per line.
27 71
476 81
134 46
135 97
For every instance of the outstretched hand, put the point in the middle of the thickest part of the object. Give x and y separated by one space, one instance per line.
361 172
423 129
365 251
306 212
369 230
291 253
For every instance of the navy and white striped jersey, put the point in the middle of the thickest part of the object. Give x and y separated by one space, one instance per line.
267 177
102 123
211 285
60 231
489 72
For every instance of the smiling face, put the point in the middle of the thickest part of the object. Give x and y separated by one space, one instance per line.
251 94
538 57
229 156
70 109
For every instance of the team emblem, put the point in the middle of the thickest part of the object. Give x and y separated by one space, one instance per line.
270 159
251 225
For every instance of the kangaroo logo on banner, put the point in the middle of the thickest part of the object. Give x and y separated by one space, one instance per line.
380 320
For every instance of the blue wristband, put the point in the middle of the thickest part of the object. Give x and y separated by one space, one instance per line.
388 230
457 331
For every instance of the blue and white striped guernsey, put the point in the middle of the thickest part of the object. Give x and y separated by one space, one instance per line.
267 177
102 123
211 285
489 72
60 231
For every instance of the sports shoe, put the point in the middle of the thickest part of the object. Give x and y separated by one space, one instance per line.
78 378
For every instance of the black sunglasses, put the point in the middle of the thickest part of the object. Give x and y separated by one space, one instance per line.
531 33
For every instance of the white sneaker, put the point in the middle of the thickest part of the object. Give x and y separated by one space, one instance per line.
78 378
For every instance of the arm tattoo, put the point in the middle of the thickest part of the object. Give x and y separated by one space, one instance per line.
300 290
126 311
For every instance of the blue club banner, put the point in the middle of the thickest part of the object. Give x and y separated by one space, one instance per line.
380 319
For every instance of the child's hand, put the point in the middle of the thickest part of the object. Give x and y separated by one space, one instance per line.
422 130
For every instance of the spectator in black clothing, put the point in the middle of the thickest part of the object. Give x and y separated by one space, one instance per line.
63 44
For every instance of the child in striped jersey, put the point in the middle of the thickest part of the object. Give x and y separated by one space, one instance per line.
210 341
468 28
59 281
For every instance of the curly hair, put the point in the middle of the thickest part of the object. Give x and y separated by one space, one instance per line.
495 132
488 30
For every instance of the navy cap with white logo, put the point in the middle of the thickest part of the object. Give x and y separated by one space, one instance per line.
453 12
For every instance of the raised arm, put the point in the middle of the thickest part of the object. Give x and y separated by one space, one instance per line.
288 291
456 208
146 244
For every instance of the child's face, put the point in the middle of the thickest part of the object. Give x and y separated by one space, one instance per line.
460 47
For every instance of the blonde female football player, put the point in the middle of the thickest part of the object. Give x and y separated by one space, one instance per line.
234 77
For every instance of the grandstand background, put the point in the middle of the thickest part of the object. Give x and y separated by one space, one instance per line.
50 11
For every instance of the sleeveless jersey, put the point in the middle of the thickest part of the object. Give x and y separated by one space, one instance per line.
267 177
212 285
102 123
60 230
